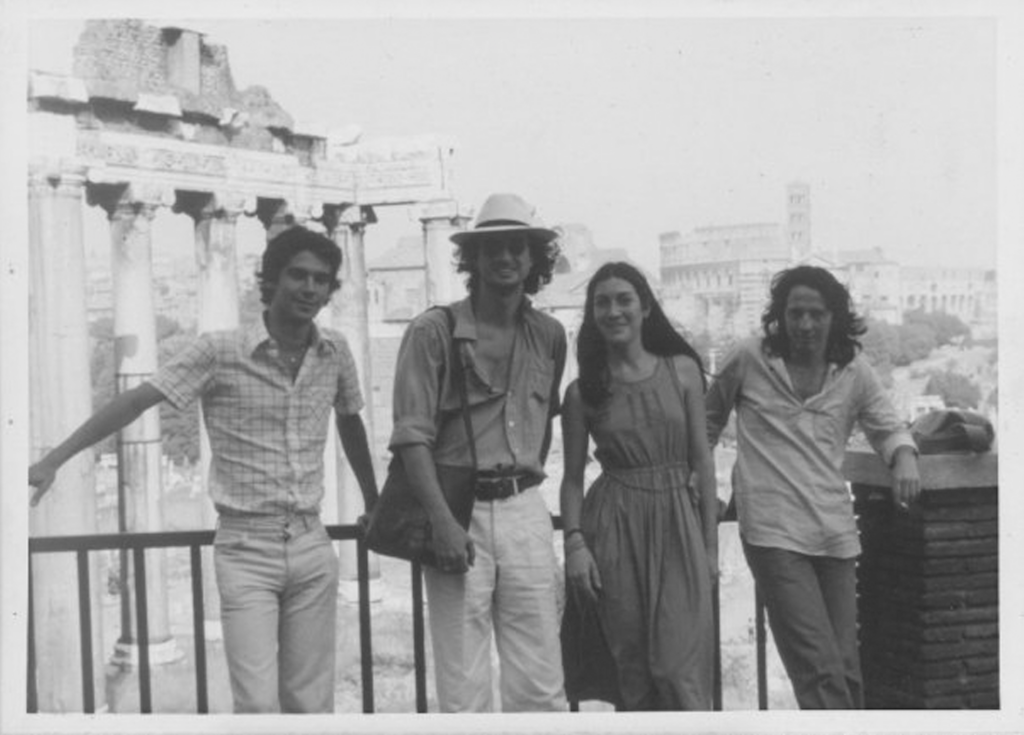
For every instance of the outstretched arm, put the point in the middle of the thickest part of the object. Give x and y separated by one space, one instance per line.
352 433
114 416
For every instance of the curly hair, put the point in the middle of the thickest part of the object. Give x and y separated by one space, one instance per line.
843 344
544 256
657 335
285 246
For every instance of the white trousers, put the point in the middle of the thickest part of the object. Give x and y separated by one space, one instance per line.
510 591
278 583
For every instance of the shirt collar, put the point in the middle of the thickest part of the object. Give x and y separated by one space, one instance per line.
465 318
256 337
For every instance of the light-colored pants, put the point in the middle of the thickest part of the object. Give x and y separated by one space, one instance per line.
812 609
510 590
278 583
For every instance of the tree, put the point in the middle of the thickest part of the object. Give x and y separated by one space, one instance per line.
955 390
917 340
880 346
947 328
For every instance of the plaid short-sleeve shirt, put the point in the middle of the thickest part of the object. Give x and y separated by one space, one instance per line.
267 433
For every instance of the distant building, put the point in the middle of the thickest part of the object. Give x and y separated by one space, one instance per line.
716 279
396 282
874 283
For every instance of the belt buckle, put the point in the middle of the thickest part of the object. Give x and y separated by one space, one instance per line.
499 488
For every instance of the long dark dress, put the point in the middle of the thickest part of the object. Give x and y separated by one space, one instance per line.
642 526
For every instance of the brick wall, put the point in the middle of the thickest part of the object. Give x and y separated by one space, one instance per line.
928 594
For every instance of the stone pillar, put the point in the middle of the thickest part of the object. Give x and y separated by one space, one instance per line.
927 583
348 313
215 217
60 399
131 211
440 220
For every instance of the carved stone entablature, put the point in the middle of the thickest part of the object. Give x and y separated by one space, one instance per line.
117 157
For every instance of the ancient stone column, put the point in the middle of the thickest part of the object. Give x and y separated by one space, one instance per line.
440 220
60 399
130 211
348 313
215 217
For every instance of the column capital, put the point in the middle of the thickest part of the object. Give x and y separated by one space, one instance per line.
203 205
447 210
130 198
354 216
63 177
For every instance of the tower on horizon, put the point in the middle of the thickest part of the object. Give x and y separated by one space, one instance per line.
798 220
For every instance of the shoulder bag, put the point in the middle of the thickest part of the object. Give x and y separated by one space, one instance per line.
398 526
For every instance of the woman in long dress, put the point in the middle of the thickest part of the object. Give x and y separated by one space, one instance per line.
641 546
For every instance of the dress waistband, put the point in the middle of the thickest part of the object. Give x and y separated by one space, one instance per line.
656 477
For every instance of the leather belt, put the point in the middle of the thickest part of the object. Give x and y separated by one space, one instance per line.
499 487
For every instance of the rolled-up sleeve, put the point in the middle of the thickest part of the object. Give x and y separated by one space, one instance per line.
561 349
417 385
186 376
349 398
878 418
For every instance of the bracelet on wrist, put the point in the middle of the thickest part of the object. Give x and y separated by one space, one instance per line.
574 543
569 532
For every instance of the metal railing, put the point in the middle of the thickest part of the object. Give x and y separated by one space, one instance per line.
138 543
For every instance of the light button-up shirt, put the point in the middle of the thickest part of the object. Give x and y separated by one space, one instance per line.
267 432
788 480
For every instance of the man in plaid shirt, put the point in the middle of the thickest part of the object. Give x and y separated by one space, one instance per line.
266 394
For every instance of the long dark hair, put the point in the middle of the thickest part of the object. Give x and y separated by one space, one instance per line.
657 335
846 325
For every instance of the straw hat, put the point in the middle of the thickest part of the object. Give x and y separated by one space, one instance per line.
504 213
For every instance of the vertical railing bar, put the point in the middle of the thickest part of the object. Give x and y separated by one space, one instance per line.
418 638
142 626
85 632
32 693
365 633
199 629
716 609
762 651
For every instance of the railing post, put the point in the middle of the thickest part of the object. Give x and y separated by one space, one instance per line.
762 651
32 694
85 633
199 628
365 641
418 638
142 621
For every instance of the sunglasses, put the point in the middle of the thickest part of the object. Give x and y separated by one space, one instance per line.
515 246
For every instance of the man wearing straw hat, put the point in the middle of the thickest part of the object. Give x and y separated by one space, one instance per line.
499 576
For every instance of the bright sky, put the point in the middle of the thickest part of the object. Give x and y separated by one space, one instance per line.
636 125
906 117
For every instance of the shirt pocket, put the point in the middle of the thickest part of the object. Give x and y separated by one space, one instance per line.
829 423
539 382
318 403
